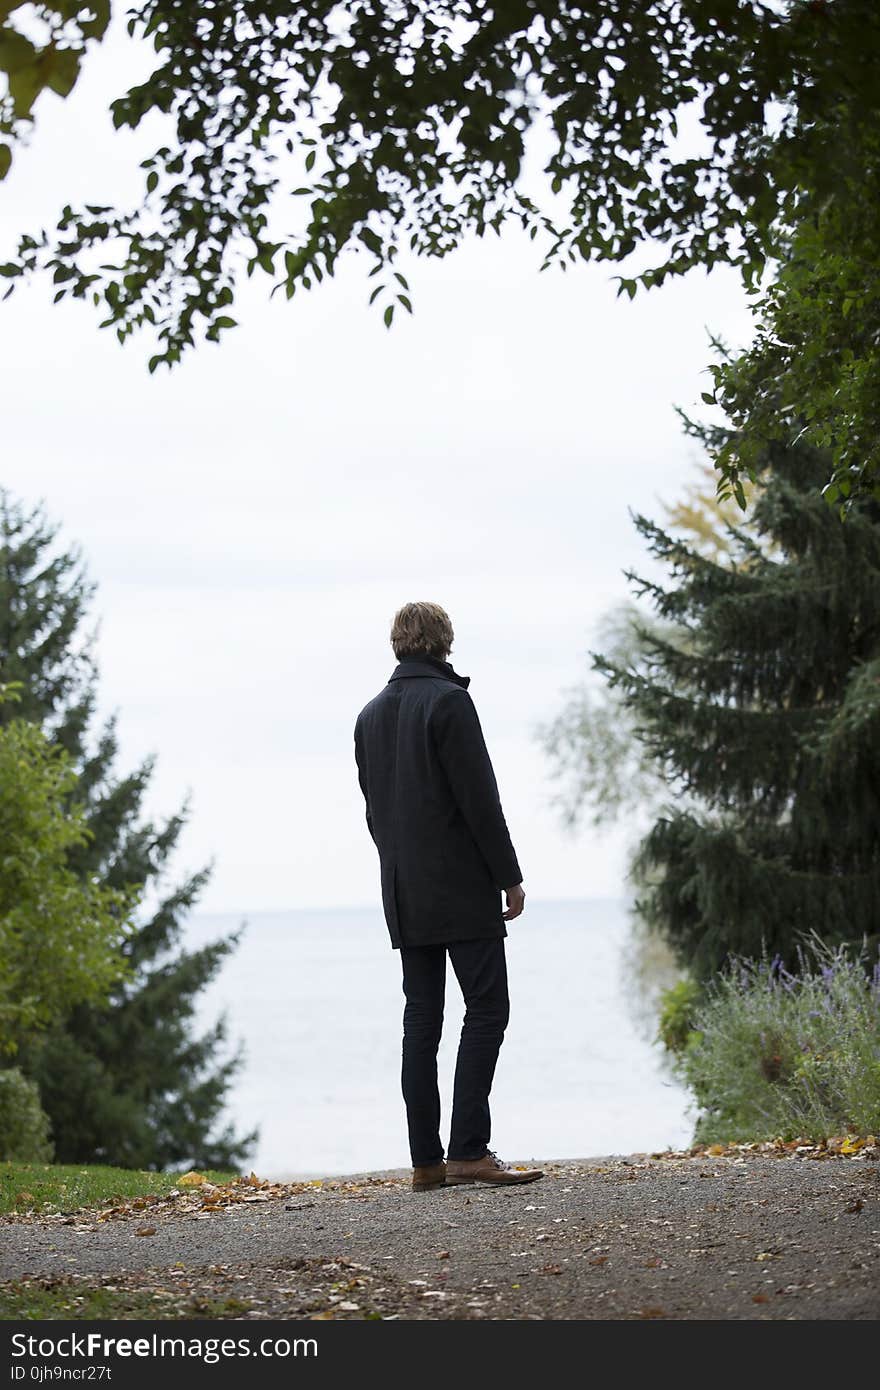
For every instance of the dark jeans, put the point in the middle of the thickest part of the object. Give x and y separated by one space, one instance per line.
481 970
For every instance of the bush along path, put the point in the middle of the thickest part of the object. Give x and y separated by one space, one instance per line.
757 1231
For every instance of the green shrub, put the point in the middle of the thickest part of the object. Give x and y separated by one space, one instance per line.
791 1055
24 1125
677 1007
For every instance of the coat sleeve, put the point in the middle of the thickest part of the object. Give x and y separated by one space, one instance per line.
464 757
359 759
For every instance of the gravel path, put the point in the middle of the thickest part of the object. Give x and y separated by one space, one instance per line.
635 1237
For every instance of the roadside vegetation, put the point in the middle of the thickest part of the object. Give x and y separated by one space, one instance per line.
61 1187
770 1052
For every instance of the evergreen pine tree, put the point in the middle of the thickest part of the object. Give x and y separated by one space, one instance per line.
127 1084
763 716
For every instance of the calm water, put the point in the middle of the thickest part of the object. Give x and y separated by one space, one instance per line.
316 997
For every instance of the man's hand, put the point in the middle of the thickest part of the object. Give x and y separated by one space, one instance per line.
516 901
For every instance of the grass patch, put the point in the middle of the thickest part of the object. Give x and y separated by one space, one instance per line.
66 1187
34 1300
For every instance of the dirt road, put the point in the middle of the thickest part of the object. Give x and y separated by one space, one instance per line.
608 1238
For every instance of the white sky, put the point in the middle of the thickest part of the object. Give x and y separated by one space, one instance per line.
254 519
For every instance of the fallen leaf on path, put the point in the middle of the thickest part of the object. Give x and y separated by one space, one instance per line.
852 1144
834 1146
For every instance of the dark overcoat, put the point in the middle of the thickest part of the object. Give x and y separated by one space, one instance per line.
433 808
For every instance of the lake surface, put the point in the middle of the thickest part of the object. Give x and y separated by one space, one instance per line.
316 997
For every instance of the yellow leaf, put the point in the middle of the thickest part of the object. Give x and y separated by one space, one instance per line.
191 1179
851 1144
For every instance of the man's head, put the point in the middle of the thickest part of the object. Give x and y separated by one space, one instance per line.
422 629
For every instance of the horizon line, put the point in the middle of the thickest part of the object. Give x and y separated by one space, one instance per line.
375 907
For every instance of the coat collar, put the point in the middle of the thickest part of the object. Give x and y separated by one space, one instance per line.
427 666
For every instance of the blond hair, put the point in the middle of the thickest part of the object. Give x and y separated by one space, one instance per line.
421 629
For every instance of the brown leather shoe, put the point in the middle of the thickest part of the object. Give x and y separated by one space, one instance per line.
431 1175
488 1169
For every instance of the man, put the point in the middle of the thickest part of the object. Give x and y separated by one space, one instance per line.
446 856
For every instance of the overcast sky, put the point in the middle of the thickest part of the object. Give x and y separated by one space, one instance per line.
254 519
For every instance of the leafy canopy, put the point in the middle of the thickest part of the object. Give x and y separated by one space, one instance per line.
41 49
813 370
402 126
407 124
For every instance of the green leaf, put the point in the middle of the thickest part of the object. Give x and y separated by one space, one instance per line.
225 321
152 181
388 315
405 302
16 51
310 160
25 85
64 71
5 160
